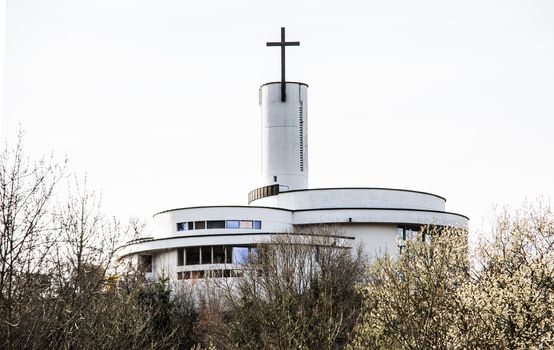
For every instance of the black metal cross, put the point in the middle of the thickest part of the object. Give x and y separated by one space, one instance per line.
283 43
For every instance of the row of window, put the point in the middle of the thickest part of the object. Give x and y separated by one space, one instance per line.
187 275
217 254
219 224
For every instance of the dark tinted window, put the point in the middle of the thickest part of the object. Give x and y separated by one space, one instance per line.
219 254
206 255
180 257
145 263
193 255
199 225
216 224
228 254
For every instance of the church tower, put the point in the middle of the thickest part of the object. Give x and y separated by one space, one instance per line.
285 136
284 121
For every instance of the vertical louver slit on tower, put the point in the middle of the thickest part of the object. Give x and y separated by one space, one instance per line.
301 134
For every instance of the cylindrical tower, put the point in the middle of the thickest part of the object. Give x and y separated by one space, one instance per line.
285 136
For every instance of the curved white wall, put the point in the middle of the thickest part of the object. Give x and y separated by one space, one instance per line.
377 216
353 198
273 220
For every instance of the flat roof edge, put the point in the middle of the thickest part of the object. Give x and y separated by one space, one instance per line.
221 206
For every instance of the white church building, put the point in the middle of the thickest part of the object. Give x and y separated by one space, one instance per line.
214 241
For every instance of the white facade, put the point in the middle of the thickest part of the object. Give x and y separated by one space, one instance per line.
190 243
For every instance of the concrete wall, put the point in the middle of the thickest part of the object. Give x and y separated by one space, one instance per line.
353 198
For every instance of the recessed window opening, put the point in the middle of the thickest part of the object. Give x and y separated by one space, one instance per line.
183 275
240 255
197 274
213 224
206 256
228 254
180 257
192 255
233 224
246 224
218 254
145 263
200 225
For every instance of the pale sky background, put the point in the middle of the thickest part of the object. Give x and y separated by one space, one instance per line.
157 100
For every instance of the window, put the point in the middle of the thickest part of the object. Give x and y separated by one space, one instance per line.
411 233
233 224
206 255
401 233
197 274
145 263
240 255
228 254
216 224
180 257
191 225
246 224
315 253
218 254
183 275
253 255
182 226
200 225
193 255
258 225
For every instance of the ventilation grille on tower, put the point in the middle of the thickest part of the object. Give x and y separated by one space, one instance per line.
301 133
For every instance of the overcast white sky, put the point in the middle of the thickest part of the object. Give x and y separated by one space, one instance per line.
157 100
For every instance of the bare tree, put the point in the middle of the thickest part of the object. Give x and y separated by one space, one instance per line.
26 193
296 292
59 287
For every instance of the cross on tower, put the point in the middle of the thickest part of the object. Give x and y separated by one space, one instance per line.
283 43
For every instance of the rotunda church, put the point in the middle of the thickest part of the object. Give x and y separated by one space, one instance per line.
215 241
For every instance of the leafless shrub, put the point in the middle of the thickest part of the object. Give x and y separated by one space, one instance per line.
296 292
